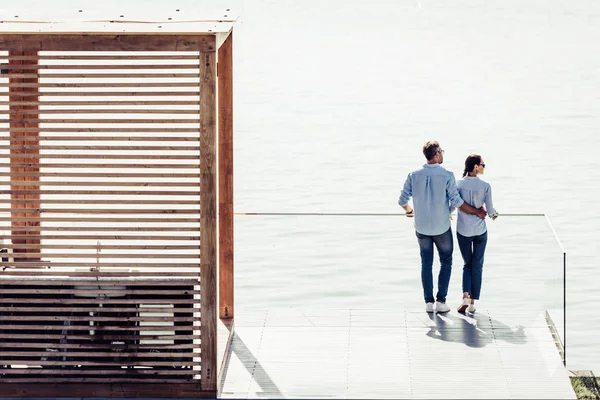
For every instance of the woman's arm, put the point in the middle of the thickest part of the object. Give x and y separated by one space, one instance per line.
489 204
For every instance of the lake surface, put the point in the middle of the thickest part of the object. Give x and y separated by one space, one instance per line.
334 101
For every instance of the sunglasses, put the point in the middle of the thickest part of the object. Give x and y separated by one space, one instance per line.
482 164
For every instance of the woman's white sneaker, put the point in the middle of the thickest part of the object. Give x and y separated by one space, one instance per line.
429 307
464 305
441 307
471 308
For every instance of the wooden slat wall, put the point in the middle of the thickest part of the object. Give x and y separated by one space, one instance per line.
107 331
105 287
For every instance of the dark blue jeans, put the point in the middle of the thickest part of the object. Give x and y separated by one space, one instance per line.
445 245
472 249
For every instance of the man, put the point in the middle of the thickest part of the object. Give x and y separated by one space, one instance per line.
434 192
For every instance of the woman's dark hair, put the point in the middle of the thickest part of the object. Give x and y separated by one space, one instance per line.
471 162
430 148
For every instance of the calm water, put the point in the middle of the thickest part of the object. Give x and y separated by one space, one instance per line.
333 101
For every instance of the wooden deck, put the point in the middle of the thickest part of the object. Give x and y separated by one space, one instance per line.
291 353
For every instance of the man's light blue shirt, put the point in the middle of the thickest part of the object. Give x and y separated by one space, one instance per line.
476 193
434 192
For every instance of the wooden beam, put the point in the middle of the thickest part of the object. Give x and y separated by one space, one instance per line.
104 42
226 240
208 220
20 117
132 390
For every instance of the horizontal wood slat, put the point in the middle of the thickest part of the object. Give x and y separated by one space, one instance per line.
104 121
122 220
100 166
101 291
105 282
77 338
29 264
28 308
169 67
96 56
131 379
104 255
61 372
103 103
65 93
96 183
103 85
136 329
89 138
92 355
118 175
109 111
44 74
105 192
92 319
105 175
59 129
97 363
101 148
92 183
107 237
100 211
113 210
94 273
101 300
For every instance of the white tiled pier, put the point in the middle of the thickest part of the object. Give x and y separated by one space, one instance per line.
359 353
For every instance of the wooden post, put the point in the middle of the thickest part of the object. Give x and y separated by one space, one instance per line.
225 69
20 120
208 220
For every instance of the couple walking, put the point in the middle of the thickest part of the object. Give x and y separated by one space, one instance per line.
435 195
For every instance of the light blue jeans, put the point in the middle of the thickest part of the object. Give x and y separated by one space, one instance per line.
472 249
445 246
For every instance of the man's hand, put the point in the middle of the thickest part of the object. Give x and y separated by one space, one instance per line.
481 213
410 212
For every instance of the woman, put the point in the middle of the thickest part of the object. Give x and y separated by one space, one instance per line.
471 230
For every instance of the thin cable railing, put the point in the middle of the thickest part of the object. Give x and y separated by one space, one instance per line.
551 311
354 214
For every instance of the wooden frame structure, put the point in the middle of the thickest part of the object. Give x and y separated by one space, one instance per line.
116 203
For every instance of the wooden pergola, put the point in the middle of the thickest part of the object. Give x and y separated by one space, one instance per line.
116 202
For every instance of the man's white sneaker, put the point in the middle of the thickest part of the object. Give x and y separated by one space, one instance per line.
463 306
441 307
471 308
429 307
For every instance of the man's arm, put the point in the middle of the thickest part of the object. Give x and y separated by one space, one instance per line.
480 212
456 201
406 195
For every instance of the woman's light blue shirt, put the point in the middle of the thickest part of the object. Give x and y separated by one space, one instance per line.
476 193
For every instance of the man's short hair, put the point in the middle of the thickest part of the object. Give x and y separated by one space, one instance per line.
430 148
